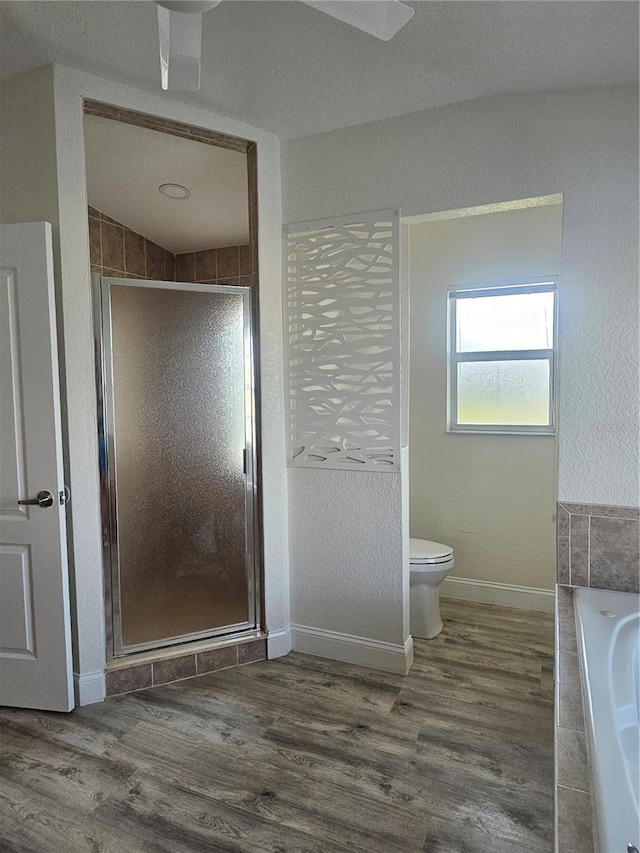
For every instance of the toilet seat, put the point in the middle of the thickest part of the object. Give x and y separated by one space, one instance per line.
423 552
430 563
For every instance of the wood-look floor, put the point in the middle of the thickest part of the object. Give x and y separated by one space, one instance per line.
303 755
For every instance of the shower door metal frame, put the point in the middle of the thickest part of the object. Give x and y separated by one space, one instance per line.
108 482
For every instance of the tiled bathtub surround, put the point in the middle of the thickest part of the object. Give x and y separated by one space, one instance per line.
127 679
573 805
599 546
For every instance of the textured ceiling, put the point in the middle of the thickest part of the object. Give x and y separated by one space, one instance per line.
293 70
126 165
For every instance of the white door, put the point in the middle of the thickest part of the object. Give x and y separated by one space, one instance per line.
35 634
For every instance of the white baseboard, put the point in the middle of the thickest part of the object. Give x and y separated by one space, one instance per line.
89 688
278 643
350 649
502 594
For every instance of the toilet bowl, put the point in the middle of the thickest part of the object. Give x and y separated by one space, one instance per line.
430 563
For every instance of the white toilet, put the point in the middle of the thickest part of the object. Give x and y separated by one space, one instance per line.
430 562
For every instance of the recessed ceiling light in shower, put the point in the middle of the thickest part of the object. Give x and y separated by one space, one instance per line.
175 191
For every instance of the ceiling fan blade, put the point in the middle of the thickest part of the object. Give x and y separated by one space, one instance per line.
180 44
379 18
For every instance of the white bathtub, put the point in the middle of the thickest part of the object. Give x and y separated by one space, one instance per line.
609 637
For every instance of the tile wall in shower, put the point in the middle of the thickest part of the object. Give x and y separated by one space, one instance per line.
118 252
226 265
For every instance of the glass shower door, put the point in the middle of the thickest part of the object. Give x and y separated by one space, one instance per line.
176 447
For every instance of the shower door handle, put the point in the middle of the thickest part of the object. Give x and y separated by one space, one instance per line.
43 499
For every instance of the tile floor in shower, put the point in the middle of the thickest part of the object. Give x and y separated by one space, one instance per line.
303 754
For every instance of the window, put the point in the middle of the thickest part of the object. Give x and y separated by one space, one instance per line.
502 358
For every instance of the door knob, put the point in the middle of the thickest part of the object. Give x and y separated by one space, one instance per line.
43 499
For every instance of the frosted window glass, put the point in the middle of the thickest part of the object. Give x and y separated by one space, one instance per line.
503 392
178 381
522 321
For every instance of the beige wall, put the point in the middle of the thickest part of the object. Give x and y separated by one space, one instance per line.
491 497
28 179
42 176
581 143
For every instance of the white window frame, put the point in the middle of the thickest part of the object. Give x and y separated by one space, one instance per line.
544 284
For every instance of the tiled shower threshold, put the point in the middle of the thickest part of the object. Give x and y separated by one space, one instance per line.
163 666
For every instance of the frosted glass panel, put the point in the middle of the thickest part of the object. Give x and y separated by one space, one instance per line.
179 383
503 392
522 321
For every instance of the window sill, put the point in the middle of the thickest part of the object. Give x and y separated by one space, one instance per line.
547 433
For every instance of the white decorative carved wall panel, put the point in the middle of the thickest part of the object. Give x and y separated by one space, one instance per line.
342 316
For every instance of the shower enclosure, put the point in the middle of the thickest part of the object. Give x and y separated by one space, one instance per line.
177 439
